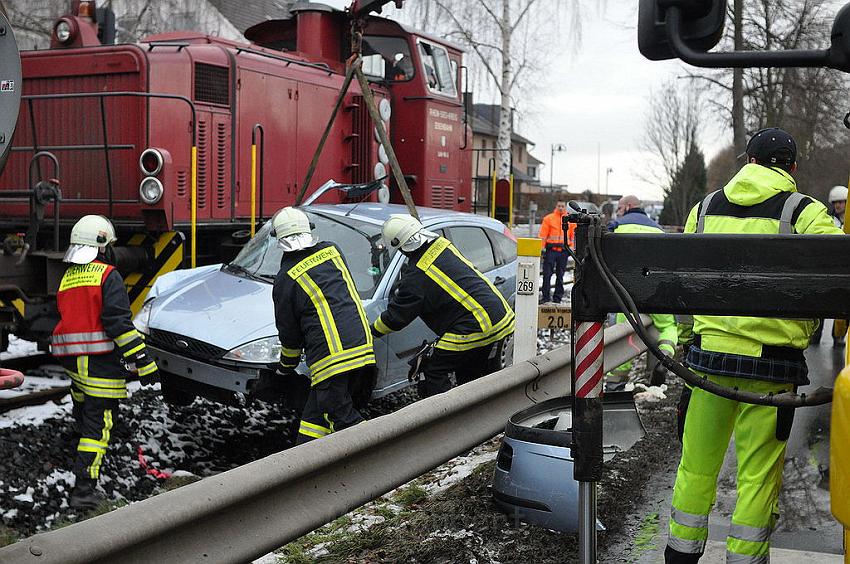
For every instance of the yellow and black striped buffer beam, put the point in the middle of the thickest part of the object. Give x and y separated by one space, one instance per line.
167 256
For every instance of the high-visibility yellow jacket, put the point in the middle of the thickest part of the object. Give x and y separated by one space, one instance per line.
765 200
317 308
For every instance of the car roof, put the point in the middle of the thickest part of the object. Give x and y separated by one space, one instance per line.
374 212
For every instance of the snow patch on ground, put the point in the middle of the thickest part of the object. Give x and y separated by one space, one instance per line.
36 414
18 348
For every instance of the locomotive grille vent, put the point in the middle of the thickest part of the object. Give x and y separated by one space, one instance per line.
443 197
221 164
182 183
211 84
361 142
203 163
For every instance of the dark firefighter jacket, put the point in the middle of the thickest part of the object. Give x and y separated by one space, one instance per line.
317 309
95 318
451 296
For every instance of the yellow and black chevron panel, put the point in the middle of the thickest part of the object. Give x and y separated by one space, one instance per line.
168 256
17 304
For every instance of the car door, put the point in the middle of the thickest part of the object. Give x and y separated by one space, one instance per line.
478 248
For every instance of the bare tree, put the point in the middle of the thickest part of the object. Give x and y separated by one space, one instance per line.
505 36
670 130
33 20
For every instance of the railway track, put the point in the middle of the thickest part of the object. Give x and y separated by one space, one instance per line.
28 364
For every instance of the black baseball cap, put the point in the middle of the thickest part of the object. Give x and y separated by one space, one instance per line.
772 146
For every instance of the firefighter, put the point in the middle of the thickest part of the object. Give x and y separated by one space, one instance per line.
837 203
631 218
757 355
456 301
317 310
96 342
555 255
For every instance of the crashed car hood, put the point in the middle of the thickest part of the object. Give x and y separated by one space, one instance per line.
216 307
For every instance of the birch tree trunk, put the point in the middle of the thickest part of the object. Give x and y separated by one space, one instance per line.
505 117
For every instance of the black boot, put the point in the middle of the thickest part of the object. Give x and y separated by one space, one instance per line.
84 496
672 556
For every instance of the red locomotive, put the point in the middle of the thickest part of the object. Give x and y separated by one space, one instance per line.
189 133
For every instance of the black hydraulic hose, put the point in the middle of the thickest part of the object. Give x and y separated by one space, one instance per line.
786 399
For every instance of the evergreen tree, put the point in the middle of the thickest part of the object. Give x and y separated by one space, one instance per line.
687 187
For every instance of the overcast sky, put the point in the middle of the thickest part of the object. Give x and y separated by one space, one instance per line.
595 100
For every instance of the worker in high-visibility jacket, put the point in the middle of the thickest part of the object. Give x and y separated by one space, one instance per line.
318 310
555 254
97 344
753 354
632 219
456 301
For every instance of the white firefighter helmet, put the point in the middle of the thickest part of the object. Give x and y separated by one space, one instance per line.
837 194
89 236
405 232
292 230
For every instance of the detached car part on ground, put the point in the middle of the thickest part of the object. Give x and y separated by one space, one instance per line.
212 329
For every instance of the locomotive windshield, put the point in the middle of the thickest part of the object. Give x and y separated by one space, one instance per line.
437 68
387 58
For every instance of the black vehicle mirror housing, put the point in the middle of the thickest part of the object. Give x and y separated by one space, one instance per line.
702 26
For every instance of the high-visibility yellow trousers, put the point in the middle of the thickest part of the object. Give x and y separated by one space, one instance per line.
709 424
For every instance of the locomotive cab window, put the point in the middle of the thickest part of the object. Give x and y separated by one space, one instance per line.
387 58
439 73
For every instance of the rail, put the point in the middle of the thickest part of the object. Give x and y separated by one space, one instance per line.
249 511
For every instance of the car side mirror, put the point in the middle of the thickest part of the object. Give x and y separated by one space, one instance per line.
701 26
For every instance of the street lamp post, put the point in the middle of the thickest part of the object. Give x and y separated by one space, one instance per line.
608 172
559 148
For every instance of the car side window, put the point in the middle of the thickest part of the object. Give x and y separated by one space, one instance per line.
505 247
474 244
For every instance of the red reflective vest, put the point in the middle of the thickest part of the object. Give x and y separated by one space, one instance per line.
80 303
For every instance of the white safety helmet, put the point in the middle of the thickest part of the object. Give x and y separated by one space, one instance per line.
89 236
406 233
291 228
837 194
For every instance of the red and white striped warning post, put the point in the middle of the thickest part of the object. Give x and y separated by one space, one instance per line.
588 359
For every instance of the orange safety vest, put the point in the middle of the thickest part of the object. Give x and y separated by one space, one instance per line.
80 303
552 232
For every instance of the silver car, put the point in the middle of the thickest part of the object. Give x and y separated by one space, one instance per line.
212 329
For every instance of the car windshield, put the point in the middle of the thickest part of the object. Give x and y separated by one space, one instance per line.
359 241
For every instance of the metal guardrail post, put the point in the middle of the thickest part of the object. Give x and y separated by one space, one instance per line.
249 511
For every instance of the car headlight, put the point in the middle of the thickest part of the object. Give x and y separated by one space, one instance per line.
261 351
143 318
151 190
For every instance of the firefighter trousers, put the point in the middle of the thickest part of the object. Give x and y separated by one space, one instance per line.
465 365
331 404
760 439
97 384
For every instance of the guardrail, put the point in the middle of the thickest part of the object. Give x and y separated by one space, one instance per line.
246 512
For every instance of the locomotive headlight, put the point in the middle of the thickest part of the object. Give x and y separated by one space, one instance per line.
382 155
385 109
380 171
151 190
150 161
64 31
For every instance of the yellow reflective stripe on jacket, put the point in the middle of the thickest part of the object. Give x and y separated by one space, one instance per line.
323 310
147 369
382 327
134 350
126 338
426 263
83 275
463 259
352 290
291 353
456 342
315 259
350 360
